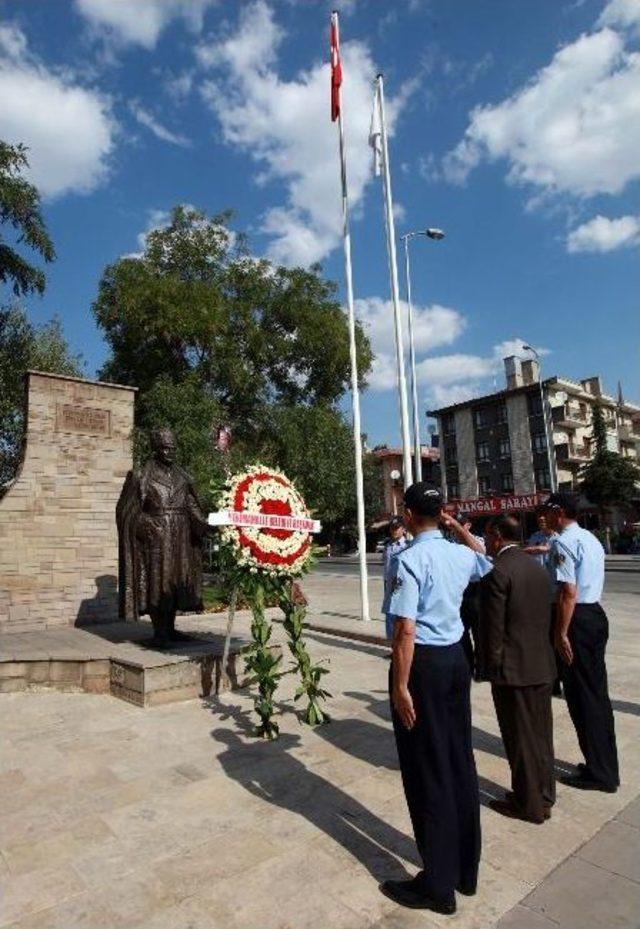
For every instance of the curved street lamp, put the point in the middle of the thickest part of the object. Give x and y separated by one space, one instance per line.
435 235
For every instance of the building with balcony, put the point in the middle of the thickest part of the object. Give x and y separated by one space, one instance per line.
497 444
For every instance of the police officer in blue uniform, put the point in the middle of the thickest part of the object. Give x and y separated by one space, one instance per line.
396 543
430 684
581 634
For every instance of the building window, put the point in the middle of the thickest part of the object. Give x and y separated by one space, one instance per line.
539 442
484 485
543 480
504 448
451 453
453 490
482 451
535 405
480 418
501 416
506 482
448 425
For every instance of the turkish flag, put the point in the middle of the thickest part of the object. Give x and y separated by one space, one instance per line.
336 68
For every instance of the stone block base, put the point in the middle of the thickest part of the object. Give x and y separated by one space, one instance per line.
118 662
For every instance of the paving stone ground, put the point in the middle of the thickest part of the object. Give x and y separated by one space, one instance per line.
175 818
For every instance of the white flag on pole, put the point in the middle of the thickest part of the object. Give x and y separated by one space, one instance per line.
375 135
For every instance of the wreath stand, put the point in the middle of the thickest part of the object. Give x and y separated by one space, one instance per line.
257 581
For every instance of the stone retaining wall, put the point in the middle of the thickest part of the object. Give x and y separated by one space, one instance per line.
58 538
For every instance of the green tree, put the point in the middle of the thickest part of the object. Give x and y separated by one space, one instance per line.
608 479
24 346
20 209
210 335
314 446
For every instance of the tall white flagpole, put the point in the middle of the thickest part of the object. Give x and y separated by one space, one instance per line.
417 447
355 394
395 294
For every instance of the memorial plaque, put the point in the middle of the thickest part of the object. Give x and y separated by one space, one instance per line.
83 420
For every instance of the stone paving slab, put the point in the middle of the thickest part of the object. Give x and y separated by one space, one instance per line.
176 818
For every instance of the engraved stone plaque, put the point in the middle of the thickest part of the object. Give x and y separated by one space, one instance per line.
82 419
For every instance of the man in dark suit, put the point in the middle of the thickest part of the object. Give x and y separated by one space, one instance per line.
517 658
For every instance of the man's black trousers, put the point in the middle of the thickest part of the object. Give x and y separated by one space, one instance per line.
526 725
438 769
587 694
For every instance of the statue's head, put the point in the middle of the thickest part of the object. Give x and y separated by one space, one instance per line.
163 444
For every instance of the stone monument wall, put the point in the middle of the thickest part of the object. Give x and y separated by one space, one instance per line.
58 538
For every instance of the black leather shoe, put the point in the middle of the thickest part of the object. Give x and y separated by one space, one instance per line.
408 893
582 782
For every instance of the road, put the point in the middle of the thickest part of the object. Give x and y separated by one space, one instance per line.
622 582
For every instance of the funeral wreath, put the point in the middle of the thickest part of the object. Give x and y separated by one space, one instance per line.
265 547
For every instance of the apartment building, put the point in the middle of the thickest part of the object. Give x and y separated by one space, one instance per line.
497 444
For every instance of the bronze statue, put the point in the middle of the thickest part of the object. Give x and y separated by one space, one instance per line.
161 528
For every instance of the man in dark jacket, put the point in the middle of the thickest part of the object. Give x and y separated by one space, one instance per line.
518 660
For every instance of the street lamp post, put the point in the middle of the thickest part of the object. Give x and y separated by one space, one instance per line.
395 477
545 419
436 235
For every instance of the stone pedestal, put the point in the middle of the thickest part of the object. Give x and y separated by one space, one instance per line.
115 659
58 539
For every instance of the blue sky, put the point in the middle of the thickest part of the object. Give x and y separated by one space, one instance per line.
515 127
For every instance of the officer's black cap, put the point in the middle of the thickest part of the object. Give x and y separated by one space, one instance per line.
423 499
562 501
396 522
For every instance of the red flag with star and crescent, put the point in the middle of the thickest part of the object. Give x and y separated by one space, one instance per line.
336 68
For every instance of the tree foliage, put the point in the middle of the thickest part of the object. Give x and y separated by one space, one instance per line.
20 209
24 346
211 335
608 479
314 447
196 304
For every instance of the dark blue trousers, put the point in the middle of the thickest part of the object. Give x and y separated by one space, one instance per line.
587 693
438 769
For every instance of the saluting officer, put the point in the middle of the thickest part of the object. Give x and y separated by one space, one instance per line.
581 634
430 700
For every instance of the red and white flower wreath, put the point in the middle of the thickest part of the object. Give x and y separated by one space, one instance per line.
267 491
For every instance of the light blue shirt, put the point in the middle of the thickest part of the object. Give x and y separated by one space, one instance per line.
578 558
427 582
541 538
392 548
546 558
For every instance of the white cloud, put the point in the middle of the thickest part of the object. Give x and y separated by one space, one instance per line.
179 86
453 369
140 22
515 346
148 120
622 13
574 128
285 126
13 42
601 234
68 128
441 395
433 327
442 379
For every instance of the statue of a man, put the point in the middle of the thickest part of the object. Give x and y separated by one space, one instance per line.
161 528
